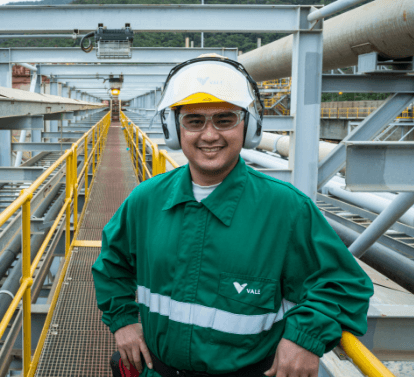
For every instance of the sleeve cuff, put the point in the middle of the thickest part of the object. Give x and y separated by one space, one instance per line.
304 340
122 321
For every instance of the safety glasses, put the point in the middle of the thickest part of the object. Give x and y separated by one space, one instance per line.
196 122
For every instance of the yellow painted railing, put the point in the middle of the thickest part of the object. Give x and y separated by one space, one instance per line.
147 159
97 135
367 362
355 113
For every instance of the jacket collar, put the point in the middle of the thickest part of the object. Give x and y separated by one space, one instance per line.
222 202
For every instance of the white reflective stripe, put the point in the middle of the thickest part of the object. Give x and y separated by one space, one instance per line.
207 317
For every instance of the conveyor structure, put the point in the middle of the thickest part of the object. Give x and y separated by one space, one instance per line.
83 163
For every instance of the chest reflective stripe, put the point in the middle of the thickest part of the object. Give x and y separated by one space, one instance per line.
207 317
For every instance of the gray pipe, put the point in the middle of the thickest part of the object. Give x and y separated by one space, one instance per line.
382 223
386 261
386 26
10 254
332 8
12 283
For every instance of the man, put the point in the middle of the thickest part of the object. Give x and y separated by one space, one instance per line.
238 273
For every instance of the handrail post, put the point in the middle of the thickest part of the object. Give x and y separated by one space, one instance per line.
86 165
93 152
68 197
75 187
162 164
27 297
144 158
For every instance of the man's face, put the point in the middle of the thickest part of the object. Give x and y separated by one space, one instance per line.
197 146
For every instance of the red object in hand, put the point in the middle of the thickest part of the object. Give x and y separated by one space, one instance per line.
132 372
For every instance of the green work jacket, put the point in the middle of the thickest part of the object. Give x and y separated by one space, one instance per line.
220 282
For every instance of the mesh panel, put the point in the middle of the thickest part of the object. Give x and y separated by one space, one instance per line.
78 342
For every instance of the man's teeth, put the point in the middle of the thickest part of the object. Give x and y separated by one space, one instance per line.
209 150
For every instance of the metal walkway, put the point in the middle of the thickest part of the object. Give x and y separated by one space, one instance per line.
78 343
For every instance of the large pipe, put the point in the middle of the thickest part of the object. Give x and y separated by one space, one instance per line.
385 26
277 143
389 263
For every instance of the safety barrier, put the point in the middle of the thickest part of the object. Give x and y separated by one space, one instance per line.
74 181
147 159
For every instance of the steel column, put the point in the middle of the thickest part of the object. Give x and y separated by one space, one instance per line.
305 108
54 125
5 135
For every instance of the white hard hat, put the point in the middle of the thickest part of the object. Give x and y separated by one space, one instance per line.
206 80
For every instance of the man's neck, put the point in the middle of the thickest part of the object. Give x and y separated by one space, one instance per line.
209 178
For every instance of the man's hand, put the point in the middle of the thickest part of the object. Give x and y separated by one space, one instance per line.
293 360
131 343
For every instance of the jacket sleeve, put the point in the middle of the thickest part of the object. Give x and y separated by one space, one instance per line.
114 272
323 278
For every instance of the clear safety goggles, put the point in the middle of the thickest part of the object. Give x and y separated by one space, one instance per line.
196 122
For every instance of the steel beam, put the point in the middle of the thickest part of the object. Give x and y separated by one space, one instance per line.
139 54
19 174
384 83
103 70
31 146
20 123
57 135
367 130
277 123
152 18
379 166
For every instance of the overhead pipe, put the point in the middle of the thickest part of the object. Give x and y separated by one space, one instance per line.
385 26
382 223
277 143
331 9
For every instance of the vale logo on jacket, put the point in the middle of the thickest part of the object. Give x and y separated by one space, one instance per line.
240 287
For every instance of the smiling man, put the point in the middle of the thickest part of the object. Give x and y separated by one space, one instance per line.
236 273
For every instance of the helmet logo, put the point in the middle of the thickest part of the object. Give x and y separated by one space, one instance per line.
203 80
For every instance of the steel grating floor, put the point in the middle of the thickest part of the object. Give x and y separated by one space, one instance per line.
78 343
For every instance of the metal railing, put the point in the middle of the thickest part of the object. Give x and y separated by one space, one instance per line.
74 181
354 113
137 141
147 159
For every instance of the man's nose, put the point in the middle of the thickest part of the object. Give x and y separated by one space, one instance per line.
210 133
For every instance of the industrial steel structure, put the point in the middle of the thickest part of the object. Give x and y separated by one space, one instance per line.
90 136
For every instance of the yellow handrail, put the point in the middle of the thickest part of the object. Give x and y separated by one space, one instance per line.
73 181
138 157
367 362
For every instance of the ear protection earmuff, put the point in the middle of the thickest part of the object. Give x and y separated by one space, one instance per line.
252 126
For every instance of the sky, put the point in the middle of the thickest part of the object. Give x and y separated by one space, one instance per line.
3 2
